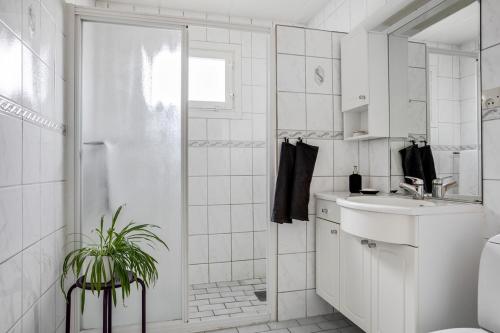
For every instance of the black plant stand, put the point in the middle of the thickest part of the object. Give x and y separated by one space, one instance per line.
107 303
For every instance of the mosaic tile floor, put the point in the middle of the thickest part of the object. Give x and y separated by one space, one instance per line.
332 323
225 299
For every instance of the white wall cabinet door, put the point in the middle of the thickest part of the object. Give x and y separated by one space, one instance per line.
354 70
355 276
327 261
393 288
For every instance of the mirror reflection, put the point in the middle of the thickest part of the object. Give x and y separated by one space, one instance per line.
434 79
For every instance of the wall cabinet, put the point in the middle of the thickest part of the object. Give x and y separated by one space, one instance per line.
365 85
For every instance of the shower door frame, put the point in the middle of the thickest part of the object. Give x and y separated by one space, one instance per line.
75 16
78 16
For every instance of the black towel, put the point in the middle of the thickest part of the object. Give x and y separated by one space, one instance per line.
411 160
428 167
284 185
305 159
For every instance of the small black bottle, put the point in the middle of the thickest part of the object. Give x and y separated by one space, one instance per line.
355 181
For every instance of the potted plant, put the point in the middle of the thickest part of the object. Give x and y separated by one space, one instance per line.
109 260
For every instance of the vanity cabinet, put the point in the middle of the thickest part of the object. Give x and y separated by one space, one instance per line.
378 284
404 267
393 288
365 84
328 252
327 261
355 285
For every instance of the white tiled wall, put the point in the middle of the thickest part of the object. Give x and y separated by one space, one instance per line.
32 180
490 75
227 171
309 110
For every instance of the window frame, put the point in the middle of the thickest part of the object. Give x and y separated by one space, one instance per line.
232 56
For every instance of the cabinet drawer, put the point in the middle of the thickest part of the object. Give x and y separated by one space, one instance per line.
328 210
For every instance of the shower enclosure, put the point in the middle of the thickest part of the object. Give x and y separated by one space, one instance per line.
132 149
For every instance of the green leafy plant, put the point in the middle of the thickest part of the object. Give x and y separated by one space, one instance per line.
109 260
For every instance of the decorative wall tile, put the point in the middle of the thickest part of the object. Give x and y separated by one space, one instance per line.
318 75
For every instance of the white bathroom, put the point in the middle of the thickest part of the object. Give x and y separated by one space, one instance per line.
237 166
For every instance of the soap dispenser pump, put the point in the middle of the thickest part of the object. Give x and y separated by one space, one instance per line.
355 181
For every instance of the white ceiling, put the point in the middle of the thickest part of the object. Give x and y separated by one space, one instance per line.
292 11
458 28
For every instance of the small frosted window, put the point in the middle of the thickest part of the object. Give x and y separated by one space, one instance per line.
207 79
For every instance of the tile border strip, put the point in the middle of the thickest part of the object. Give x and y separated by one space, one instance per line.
306 134
10 108
490 114
227 143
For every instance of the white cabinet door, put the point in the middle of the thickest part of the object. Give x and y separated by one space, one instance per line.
327 261
354 70
355 275
393 288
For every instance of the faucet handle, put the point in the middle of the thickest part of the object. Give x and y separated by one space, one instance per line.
415 180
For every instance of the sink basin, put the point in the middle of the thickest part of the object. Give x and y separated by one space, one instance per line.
391 202
393 219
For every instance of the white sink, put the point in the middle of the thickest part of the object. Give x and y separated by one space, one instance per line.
393 219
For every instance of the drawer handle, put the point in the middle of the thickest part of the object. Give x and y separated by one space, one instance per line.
364 241
372 245
324 210
362 97
333 232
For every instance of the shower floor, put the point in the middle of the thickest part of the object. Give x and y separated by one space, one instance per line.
218 300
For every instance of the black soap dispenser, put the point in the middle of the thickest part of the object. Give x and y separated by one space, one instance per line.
355 181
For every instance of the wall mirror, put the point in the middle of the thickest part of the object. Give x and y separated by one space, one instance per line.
434 84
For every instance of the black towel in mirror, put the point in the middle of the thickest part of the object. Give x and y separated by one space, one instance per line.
284 185
411 160
305 159
428 167
419 162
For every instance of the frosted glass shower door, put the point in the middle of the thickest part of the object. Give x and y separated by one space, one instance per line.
132 150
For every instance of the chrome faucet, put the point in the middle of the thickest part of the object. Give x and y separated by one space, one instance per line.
441 185
416 187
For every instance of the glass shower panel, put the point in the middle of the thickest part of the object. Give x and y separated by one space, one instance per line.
132 150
